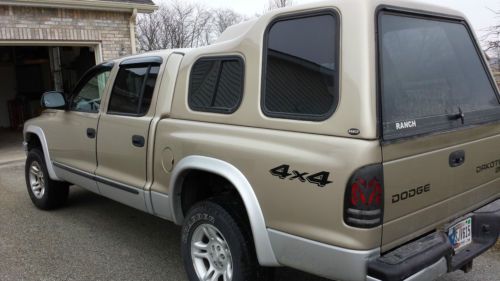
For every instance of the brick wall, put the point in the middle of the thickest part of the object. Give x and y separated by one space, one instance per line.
30 23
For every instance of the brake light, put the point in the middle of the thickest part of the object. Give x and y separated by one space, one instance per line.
364 197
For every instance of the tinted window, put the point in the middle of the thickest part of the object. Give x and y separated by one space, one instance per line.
216 85
133 90
430 71
89 93
301 77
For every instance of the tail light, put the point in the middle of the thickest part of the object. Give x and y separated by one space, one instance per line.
364 197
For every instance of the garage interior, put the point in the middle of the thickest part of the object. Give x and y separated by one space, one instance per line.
26 72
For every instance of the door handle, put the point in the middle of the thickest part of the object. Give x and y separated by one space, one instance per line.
138 140
457 158
91 133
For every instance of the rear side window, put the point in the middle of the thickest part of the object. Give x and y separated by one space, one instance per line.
432 77
216 84
301 67
133 90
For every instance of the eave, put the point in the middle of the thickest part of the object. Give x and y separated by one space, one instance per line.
84 4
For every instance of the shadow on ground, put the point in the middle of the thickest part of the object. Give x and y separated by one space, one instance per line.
94 238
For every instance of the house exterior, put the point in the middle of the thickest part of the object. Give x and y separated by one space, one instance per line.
51 43
107 25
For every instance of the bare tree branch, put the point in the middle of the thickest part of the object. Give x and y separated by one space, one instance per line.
275 4
179 24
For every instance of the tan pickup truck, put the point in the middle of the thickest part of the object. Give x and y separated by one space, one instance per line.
352 139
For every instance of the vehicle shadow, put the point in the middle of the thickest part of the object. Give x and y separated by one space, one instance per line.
158 233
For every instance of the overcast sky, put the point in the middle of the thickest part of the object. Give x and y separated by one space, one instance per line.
476 10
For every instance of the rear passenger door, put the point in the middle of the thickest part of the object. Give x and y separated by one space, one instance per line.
123 132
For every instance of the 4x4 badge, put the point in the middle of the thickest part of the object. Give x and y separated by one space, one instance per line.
320 179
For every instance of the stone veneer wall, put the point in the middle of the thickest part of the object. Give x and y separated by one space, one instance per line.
54 24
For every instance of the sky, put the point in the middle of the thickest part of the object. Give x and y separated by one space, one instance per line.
477 11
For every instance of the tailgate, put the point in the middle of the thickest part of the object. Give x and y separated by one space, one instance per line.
440 115
426 190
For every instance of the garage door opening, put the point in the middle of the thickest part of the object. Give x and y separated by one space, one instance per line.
26 72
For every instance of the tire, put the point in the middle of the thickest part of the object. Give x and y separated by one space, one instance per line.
229 223
45 193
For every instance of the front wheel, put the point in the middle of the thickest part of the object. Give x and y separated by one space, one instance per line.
217 243
45 193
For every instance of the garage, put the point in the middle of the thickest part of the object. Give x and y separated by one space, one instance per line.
26 72
47 45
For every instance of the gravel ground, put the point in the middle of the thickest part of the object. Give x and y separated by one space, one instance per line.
93 238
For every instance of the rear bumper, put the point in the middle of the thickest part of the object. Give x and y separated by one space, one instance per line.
432 256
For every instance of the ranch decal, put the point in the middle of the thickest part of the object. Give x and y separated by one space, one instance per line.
406 124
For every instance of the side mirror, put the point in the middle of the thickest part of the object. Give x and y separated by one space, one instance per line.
53 100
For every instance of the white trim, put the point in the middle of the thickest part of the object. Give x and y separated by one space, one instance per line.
132 23
84 4
39 132
262 243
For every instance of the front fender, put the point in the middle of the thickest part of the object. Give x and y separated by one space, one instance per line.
32 129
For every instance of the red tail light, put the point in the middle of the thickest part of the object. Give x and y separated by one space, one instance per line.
364 196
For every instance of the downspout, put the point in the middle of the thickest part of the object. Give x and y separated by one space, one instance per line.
133 18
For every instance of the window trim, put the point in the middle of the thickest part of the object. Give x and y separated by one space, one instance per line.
426 15
132 63
96 70
218 110
335 104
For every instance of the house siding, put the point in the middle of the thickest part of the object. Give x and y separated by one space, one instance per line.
53 24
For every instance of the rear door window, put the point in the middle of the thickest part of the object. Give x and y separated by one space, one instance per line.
432 76
133 90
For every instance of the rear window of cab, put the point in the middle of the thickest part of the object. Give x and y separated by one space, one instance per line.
432 76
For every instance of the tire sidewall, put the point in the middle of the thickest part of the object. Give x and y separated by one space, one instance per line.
211 213
36 155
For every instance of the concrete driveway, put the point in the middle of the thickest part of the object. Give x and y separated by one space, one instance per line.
93 238
11 149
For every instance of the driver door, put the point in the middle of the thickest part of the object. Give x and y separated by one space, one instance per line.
74 139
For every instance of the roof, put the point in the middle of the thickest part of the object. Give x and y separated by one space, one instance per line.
149 2
142 6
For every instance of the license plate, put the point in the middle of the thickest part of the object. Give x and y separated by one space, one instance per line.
460 234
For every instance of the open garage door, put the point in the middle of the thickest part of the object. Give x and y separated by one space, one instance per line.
26 72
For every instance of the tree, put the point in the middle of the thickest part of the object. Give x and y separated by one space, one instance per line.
148 32
224 18
275 4
179 24
492 38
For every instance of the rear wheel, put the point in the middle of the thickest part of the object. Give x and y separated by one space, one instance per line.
217 243
45 193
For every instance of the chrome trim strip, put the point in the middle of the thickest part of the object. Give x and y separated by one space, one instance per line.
48 163
321 259
262 243
109 182
77 179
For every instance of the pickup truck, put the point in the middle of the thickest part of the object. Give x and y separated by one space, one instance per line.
352 139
